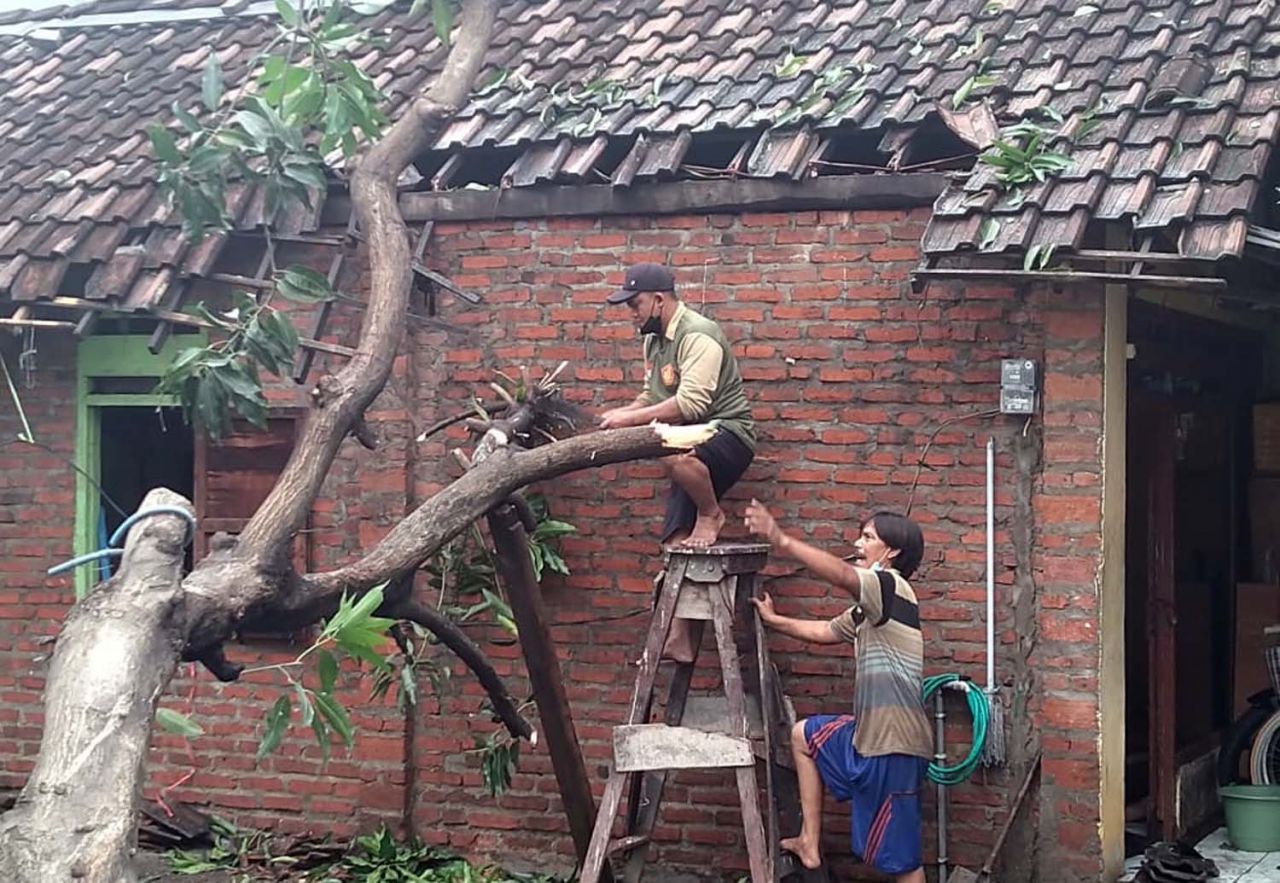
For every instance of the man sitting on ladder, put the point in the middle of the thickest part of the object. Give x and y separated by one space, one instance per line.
877 756
691 376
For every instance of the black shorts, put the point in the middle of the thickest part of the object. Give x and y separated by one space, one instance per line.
726 457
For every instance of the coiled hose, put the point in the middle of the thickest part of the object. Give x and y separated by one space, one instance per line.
960 772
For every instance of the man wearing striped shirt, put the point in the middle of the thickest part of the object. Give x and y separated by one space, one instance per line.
876 758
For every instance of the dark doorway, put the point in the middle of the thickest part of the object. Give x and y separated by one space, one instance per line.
142 448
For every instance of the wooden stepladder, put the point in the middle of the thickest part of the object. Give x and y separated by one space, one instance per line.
701 585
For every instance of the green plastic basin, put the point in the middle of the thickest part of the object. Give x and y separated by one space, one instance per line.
1253 816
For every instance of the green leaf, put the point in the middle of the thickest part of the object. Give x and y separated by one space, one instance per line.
304 704
257 127
277 721
186 118
307 174
1032 255
176 722
328 667
442 20
336 717
363 609
288 13
408 685
164 144
303 284
988 232
321 729
211 82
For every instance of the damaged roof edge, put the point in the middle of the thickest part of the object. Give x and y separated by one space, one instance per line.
892 190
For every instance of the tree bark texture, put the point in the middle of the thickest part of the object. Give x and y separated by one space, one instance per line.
76 818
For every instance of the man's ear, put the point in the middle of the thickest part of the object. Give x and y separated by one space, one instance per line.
892 553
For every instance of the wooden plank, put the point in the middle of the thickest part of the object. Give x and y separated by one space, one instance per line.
644 747
648 798
626 844
545 678
665 198
1076 277
593 866
758 858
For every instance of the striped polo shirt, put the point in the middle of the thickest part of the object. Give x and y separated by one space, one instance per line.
884 627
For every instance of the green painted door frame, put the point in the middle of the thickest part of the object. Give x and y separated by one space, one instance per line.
109 356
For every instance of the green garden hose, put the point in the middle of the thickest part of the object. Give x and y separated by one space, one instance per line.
960 772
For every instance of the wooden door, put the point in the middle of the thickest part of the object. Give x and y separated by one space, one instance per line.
234 476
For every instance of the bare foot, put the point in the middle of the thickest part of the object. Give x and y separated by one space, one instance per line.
705 530
806 851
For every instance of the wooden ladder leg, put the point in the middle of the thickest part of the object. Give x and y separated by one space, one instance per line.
722 604
652 783
659 628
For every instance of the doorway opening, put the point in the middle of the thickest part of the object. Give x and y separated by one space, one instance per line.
140 448
1202 511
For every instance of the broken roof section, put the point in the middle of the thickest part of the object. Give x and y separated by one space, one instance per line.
1168 111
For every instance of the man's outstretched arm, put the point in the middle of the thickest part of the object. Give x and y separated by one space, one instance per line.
824 565
814 631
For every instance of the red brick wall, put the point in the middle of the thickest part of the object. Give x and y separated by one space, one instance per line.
850 374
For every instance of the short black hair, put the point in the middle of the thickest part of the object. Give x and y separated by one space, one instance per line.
903 535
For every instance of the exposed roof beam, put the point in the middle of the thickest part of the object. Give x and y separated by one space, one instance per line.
667 198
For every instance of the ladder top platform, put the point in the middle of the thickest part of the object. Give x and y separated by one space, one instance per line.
721 549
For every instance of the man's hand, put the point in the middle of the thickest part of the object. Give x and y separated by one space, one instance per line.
761 523
618 418
764 606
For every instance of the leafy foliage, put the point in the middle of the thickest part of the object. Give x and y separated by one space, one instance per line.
354 632
307 99
464 574
849 83
1022 154
231 850
584 101
213 381
499 759
370 858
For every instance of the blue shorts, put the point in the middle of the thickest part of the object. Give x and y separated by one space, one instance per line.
885 793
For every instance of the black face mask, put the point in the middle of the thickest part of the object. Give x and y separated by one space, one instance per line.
652 325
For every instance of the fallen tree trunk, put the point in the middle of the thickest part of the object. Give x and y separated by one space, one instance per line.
76 818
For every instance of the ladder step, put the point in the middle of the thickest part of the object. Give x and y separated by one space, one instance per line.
626 844
711 715
642 747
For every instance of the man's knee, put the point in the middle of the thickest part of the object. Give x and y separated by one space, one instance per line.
798 741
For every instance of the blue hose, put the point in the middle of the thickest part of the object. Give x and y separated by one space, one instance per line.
123 531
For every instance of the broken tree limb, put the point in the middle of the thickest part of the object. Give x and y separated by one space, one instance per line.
515 569
503 471
76 817
471 655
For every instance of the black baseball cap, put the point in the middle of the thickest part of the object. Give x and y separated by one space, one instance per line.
643 277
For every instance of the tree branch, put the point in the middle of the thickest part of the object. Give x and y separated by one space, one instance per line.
374 199
492 480
471 655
